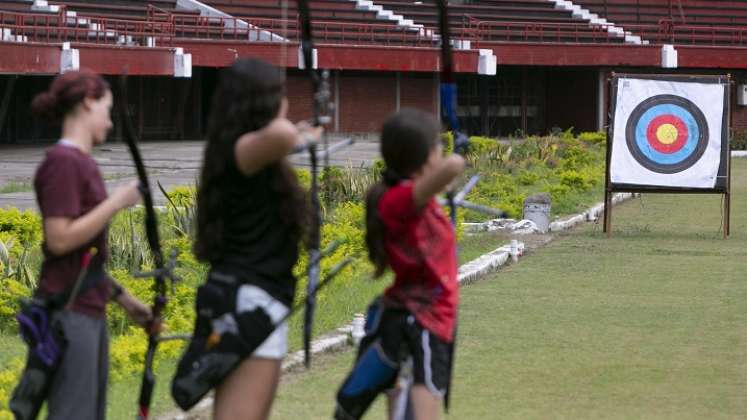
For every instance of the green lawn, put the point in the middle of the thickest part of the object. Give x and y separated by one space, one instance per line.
649 324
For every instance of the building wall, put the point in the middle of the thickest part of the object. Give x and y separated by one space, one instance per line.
418 90
571 99
739 113
366 99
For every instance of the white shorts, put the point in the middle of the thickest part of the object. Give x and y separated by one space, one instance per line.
276 345
250 297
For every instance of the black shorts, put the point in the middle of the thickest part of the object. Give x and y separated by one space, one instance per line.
399 336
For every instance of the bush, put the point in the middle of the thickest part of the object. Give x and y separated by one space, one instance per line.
11 292
528 177
577 180
8 380
25 226
593 137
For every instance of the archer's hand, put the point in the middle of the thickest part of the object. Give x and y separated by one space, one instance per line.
127 195
309 134
138 312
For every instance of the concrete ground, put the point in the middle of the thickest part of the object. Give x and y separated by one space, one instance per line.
170 163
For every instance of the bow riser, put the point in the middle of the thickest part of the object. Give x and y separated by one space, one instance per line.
151 231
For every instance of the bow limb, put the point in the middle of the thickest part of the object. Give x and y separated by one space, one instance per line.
461 141
307 49
151 231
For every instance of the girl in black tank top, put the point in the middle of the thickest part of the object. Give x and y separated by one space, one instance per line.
251 217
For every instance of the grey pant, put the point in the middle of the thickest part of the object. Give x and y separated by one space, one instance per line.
78 390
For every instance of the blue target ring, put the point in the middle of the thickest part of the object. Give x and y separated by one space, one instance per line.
667 134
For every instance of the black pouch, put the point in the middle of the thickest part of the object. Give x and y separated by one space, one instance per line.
199 368
42 331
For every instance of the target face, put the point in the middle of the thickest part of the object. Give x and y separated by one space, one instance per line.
667 134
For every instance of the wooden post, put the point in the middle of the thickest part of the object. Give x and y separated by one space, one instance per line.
607 178
727 196
727 214
608 213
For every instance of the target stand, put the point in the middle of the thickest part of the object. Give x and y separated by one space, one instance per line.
668 134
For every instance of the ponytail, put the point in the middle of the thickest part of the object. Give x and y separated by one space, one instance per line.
374 225
407 138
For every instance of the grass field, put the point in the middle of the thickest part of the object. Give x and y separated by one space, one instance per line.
649 324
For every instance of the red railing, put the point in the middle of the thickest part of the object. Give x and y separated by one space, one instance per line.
58 27
163 27
490 31
668 32
275 30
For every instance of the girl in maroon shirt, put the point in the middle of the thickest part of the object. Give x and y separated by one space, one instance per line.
408 232
75 212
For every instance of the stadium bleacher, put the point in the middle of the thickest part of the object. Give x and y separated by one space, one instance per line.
695 22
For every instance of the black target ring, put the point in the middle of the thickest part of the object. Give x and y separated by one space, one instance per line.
667 134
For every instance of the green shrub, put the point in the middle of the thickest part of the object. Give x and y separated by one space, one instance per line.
577 180
25 226
593 137
528 177
11 292
8 380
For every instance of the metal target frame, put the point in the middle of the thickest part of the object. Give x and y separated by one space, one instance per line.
696 142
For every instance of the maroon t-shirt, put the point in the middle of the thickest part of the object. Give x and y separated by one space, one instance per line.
68 184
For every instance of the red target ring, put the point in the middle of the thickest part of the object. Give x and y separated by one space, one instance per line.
667 134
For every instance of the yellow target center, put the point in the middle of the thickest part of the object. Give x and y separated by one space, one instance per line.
666 133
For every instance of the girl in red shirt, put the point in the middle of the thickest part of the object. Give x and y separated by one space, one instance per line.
407 232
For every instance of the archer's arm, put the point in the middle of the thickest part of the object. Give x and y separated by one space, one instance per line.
64 234
436 175
273 142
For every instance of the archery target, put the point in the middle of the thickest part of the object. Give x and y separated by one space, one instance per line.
667 133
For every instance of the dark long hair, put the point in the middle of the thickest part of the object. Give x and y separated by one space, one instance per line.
407 138
248 97
66 92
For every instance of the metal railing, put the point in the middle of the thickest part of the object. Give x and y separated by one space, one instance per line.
59 27
161 27
491 31
668 32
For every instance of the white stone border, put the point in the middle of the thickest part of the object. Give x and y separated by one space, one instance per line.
738 153
589 215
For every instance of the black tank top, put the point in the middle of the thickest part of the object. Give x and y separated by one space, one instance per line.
260 246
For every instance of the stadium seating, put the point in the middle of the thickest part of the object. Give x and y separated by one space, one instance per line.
504 21
679 22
